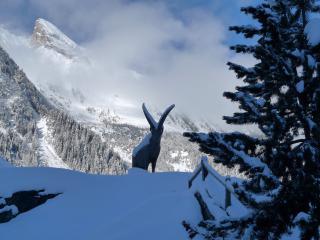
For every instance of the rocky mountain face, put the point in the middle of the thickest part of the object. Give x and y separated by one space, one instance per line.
41 127
23 141
45 34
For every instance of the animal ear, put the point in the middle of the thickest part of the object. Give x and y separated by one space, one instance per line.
164 115
153 124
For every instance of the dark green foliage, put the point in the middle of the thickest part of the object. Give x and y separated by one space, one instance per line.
81 148
281 96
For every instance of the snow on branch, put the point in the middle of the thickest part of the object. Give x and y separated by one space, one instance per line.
216 145
253 162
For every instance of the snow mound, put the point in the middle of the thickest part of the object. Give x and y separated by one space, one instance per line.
313 31
139 205
134 206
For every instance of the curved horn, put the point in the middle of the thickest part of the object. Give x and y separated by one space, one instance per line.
151 121
164 115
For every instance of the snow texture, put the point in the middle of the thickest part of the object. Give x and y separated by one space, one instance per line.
55 36
4 163
300 86
301 216
47 153
313 31
97 207
11 208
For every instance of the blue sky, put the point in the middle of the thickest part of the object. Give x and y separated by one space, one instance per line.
21 14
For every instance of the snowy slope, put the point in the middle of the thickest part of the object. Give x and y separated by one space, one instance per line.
47 153
139 205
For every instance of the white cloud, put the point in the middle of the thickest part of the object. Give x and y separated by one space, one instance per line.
142 51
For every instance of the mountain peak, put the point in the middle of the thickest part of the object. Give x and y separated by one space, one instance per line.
49 36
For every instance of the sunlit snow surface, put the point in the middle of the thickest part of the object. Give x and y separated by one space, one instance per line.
4 163
138 205
135 206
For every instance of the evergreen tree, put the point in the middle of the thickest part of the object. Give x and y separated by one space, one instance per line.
280 95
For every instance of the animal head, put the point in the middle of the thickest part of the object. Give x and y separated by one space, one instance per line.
156 128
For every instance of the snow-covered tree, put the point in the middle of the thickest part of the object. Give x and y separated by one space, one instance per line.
280 95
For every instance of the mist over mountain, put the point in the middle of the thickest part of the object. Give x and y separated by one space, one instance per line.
157 59
57 68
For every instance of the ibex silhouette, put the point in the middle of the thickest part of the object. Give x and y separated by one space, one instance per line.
149 148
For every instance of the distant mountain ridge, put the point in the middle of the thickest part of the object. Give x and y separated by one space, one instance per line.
114 131
22 109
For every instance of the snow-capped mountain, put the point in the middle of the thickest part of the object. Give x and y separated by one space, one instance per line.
45 34
118 121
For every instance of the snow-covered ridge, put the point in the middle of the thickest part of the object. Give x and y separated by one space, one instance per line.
97 206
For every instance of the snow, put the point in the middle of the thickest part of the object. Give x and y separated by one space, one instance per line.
174 154
313 31
47 152
123 154
261 102
4 163
253 162
11 208
134 206
300 86
301 216
139 205
284 89
183 165
58 37
295 233
213 192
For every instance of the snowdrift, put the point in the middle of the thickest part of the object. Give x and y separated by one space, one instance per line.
138 205
134 206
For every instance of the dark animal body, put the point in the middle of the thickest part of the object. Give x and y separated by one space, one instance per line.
149 148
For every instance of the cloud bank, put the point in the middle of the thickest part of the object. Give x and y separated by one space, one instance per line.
142 51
